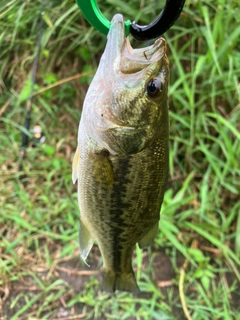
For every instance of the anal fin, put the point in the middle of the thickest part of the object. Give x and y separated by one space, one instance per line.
148 238
85 241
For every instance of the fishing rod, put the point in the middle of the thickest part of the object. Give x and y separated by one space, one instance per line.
27 121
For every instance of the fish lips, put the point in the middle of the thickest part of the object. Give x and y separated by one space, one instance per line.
122 58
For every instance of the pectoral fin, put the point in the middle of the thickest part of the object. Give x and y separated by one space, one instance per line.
85 241
75 165
102 169
148 238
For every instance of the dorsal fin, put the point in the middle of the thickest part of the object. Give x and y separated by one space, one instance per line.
75 165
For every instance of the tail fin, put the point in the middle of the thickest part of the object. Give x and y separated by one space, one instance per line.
119 281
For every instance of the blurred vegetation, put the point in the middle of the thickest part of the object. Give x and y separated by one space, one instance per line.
192 270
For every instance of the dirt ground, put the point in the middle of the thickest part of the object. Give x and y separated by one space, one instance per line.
75 276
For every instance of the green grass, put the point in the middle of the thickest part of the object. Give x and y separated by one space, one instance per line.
192 270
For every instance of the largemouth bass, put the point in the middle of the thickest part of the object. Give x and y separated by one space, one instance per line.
121 161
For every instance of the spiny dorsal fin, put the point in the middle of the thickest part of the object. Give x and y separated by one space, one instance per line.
75 165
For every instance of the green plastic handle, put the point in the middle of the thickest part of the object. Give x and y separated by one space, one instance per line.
95 17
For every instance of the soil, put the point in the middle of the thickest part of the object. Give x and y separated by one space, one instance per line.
76 276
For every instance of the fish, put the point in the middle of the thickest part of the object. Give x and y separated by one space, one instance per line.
121 160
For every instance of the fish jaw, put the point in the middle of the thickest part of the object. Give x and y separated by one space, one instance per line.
98 98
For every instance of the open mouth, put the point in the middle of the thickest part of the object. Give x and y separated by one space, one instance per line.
139 59
122 57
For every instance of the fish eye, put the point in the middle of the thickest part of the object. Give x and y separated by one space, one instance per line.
154 87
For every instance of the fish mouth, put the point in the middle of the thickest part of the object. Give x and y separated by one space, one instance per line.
151 53
135 60
123 57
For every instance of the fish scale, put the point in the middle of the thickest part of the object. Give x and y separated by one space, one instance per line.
121 161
